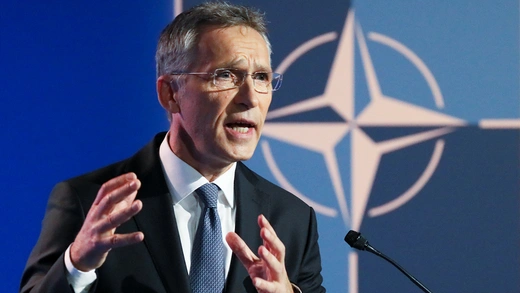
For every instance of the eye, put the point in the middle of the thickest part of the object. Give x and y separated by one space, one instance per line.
224 74
262 76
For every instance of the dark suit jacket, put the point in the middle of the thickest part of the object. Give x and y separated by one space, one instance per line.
157 264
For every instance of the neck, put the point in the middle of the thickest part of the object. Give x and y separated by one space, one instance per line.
210 170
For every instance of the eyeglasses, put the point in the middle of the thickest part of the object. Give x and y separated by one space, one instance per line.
229 78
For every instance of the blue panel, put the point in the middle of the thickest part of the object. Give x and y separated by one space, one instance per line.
78 92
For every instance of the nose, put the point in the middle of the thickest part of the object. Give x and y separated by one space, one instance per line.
247 95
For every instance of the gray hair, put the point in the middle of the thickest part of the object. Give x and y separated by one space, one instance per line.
175 50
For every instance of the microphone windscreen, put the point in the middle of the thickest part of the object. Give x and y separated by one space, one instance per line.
355 240
351 237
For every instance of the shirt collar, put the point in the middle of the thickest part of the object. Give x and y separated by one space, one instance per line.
183 180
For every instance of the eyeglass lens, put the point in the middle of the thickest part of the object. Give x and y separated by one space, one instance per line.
263 82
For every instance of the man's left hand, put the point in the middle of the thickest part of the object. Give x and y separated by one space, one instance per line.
268 270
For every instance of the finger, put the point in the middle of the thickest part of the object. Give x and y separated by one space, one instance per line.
274 266
116 218
257 270
273 243
264 223
277 280
112 184
270 239
241 250
120 240
126 193
90 254
263 285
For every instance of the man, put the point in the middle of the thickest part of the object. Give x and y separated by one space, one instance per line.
141 225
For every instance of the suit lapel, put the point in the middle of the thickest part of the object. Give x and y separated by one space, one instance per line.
157 220
249 206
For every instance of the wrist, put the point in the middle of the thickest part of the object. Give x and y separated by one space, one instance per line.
75 277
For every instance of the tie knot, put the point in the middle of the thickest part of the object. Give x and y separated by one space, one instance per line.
208 193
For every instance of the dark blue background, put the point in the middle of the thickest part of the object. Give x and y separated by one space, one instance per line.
78 92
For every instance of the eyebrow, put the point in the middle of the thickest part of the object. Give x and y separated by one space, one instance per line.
235 64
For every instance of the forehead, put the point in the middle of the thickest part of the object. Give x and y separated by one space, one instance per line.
236 46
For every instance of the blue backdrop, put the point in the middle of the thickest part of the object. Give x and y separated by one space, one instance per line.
399 120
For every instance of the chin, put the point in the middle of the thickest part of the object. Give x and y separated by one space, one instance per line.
242 157
242 153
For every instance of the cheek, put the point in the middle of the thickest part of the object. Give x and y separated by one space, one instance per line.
264 106
209 118
200 109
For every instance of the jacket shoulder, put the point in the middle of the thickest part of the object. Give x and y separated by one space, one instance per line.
142 162
264 186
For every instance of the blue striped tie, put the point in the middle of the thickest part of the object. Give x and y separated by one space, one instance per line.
207 271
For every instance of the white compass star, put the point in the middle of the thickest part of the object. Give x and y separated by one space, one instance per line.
382 110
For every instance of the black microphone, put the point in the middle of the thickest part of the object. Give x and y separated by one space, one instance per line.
355 240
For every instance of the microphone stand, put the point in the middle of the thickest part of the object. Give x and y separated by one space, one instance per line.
355 240
371 249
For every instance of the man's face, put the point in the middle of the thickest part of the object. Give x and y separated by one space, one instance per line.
213 127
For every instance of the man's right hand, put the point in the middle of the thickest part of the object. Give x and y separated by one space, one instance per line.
114 204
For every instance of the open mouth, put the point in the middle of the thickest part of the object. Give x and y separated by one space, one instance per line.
240 127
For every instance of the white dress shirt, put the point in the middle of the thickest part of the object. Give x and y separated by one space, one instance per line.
182 181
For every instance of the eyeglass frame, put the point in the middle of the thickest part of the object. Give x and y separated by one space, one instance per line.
244 74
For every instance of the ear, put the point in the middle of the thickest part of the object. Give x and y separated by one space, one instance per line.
166 93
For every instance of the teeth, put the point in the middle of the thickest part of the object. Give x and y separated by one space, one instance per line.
240 129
